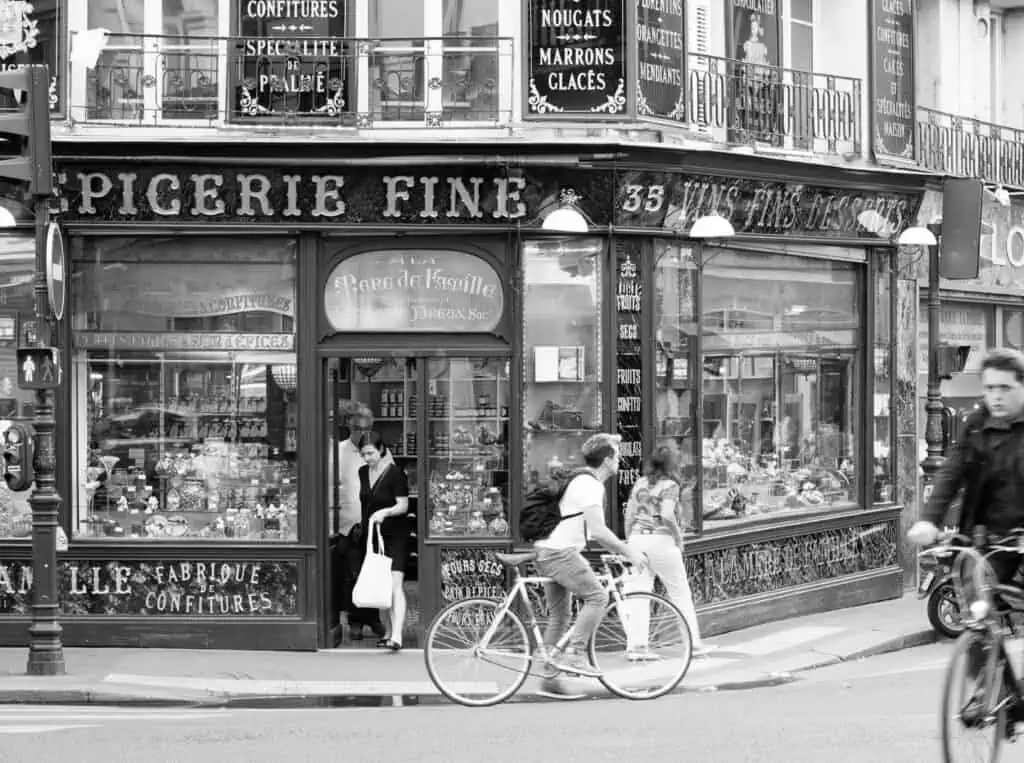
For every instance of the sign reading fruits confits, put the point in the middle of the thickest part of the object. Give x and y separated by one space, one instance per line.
577 57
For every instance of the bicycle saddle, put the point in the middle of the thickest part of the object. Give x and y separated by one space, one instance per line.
514 560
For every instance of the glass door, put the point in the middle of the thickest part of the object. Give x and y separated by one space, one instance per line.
467 402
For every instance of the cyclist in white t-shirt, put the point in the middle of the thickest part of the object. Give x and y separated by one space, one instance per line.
559 557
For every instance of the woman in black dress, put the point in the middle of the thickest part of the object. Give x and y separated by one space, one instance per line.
384 494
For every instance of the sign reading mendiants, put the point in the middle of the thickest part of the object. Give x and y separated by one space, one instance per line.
577 57
661 56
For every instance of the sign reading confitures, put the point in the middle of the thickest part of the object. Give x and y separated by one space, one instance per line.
185 588
477 196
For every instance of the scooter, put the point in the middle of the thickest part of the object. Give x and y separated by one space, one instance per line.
944 613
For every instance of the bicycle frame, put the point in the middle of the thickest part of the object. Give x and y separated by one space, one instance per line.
520 588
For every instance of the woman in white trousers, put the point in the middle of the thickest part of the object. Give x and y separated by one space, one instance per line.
654 526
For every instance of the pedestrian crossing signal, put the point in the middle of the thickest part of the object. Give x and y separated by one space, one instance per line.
38 368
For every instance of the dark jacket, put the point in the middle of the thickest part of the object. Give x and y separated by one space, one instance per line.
987 462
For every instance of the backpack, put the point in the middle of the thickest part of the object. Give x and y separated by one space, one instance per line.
541 512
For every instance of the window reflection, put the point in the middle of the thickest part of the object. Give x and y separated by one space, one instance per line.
781 386
562 347
676 330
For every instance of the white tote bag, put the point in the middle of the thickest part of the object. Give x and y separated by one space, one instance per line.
373 586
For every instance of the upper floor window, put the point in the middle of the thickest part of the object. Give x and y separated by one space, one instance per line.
338 61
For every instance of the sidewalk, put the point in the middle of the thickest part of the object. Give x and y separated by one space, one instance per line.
765 655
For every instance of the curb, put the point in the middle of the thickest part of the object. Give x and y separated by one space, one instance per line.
109 698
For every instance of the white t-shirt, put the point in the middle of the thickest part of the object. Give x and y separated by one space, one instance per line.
585 494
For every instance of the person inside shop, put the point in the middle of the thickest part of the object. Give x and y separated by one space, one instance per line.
384 495
352 541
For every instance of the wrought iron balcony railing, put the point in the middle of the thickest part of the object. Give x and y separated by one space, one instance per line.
745 104
159 80
965 147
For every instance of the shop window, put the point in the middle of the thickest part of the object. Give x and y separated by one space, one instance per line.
675 339
16 324
562 353
184 376
780 402
883 476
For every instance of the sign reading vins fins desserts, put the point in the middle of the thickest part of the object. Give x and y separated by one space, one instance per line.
661 53
577 57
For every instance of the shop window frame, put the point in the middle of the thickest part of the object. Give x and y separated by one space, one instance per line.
65 402
863 448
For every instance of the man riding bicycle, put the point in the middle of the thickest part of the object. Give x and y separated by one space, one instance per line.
559 557
987 463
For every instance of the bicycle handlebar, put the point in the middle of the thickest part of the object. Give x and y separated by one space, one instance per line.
1012 542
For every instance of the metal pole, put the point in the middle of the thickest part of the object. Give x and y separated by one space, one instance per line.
933 404
46 648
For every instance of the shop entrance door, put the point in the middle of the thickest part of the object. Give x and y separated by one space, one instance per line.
445 421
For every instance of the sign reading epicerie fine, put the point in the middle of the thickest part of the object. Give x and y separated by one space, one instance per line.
289 196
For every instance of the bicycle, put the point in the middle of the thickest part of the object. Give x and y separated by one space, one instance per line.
993 689
501 639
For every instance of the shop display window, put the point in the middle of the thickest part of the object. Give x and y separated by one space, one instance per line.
883 475
782 390
675 339
562 353
467 447
184 376
16 324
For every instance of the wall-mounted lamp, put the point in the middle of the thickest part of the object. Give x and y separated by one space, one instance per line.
917 235
711 227
566 218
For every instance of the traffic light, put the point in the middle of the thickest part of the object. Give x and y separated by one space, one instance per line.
25 123
18 443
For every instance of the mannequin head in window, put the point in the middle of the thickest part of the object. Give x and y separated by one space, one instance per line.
371 448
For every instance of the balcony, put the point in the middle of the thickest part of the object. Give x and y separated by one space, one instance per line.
952 145
159 81
748 104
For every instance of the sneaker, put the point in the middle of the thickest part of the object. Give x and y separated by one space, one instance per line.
553 687
575 663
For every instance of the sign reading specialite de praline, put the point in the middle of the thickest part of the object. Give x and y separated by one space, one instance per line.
577 57
435 291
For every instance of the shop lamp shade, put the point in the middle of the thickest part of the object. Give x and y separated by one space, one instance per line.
7 219
712 226
917 236
565 219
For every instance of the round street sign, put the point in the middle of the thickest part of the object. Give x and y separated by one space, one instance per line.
55 270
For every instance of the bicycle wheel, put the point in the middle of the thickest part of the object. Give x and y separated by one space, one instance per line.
642 646
963 703
492 674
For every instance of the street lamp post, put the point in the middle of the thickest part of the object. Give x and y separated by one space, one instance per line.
933 403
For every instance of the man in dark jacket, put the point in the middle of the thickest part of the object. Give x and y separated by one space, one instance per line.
987 462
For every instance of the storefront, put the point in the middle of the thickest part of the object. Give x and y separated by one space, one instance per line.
228 316
984 312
